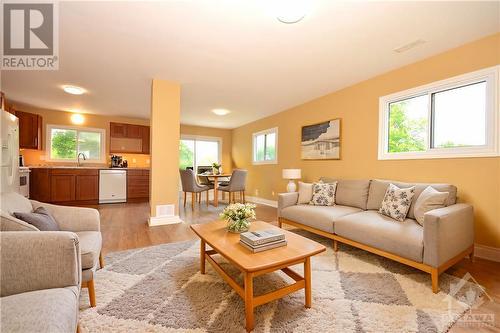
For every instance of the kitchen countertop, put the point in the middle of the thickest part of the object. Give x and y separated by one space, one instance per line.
82 167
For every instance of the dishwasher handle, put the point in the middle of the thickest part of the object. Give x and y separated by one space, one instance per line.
113 172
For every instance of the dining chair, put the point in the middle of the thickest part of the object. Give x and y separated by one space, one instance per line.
236 184
189 184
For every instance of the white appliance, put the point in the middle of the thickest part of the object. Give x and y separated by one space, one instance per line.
9 144
24 181
112 186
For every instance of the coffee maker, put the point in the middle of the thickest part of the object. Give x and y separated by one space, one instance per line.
116 161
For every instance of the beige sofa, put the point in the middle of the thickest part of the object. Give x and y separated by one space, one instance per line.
84 222
447 234
40 282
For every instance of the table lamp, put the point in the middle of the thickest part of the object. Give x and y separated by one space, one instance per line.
291 174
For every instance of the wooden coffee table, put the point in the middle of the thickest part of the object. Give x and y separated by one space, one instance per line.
298 250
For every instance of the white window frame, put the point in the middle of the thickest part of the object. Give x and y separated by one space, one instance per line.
204 138
491 148
48 143
254 142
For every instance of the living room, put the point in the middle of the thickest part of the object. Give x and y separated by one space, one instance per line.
370 152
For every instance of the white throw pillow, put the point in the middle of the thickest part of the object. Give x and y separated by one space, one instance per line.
397 202
428 200
323 194
305 192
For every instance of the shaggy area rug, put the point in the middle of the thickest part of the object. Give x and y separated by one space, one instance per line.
160 289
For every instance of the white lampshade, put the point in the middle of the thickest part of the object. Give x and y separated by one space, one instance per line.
291 174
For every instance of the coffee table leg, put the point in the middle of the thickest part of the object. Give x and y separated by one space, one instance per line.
202 256
307 278
249 301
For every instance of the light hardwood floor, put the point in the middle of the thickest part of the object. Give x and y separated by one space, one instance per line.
124 226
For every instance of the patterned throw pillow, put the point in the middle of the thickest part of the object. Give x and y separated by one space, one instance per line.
323 194
397 202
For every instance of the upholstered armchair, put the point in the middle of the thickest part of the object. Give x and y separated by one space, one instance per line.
40 280
237 183
84 222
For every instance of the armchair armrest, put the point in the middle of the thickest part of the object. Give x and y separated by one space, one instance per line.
286 200
73 218
447 232
35 260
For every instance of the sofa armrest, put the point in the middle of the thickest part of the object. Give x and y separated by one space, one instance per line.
73 218
447 232
35 260
286 200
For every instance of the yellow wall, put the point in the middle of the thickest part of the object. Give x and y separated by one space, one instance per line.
165 136
53 117
224 134
477 179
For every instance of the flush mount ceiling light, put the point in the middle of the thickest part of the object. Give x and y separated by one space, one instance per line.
77 119
291 11
221 112
73 90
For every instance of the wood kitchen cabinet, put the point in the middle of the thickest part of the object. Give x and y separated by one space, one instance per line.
129 138
65 185
30 130
137 185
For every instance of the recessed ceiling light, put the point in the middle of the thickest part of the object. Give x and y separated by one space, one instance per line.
221 112
73 90
291 11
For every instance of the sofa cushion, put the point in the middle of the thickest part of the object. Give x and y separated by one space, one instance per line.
90 247
323 194
319 217
396 202
405 239
305 192
48 310
378 188
428 200
40 218
350 192
14 202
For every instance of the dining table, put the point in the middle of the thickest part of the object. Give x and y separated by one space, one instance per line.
215 178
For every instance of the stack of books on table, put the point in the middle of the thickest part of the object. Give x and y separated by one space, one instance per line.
257 241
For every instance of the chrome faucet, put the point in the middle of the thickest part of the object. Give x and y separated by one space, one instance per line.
78 158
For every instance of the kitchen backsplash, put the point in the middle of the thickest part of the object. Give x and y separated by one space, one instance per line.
37 157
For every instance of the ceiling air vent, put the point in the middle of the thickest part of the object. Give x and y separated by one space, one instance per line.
406 47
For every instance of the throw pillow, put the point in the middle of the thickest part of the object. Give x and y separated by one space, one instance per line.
428 200
305 192
323 194
40 218
397 202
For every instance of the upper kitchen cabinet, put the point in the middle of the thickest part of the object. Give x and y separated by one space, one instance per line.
30 130
128 138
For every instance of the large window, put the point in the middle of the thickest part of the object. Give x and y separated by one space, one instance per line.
457 117
199 151
65 143
265 147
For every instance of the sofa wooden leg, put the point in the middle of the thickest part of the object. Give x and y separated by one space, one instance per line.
101 260
471 255
78 328
90 287
435 280
335 245
280 224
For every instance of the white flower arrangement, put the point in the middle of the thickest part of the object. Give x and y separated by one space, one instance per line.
238 216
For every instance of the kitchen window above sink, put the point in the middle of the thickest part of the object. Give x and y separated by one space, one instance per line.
64 143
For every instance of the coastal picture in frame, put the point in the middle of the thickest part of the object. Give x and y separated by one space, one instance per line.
321 141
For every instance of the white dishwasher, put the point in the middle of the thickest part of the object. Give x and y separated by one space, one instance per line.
112 186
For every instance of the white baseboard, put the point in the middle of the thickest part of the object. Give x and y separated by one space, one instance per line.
163 220
487 252
262 201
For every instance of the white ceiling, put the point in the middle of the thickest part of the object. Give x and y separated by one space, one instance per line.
235 54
